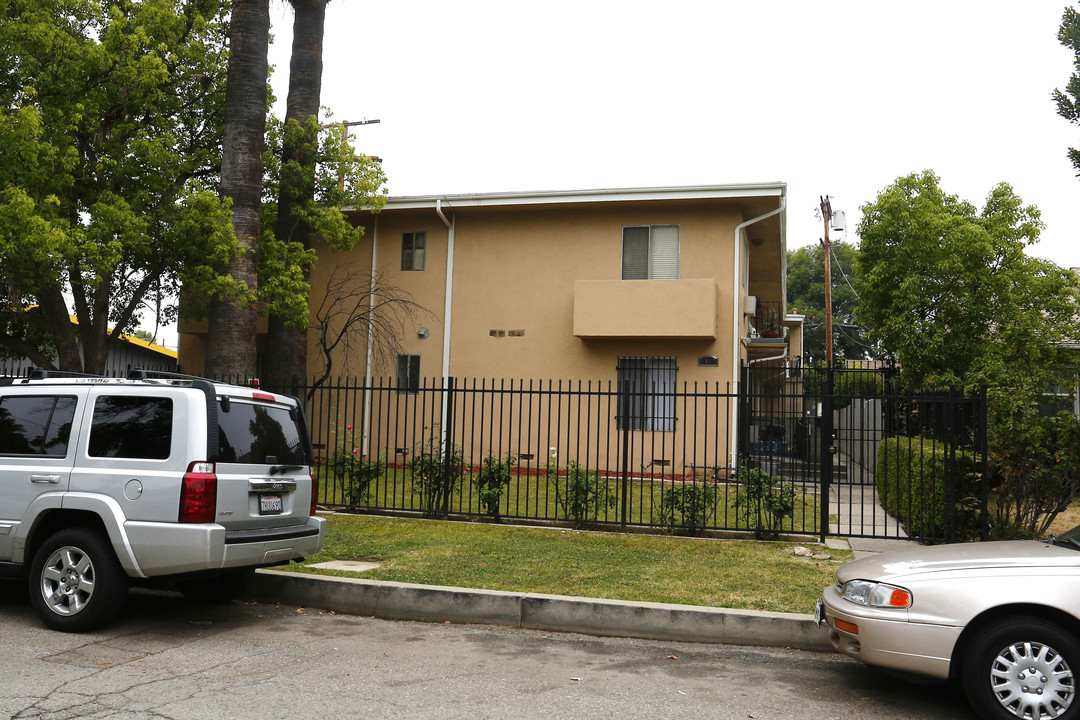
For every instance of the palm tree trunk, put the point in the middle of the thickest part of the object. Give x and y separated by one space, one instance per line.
231 348
289 359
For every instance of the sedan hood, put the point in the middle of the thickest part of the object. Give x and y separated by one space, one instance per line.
921 560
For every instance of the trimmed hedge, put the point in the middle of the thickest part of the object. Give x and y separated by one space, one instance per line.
911 479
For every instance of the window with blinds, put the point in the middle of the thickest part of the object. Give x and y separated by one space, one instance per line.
650 252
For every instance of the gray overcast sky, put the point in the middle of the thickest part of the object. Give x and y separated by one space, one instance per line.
831 97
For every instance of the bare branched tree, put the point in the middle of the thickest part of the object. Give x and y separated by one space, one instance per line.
356 307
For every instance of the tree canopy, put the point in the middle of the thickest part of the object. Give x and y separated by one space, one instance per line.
110 146
950 290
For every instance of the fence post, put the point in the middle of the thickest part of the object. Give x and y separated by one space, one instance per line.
623 414
448 444
950 433
982 461
827 451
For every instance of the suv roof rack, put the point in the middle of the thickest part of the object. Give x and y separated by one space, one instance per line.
137 373
43 374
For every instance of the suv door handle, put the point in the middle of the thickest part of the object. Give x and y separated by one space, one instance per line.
49 479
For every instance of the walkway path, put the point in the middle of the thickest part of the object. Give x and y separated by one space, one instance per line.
853 503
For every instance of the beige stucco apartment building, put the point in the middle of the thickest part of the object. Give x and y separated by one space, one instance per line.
677 285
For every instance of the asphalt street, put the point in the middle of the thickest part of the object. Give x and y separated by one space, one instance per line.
167 658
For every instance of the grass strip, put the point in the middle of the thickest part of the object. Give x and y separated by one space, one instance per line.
743 574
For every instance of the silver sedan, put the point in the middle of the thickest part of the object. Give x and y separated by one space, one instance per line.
1003 618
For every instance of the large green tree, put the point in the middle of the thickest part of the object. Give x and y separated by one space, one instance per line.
806 295
951 291
110 139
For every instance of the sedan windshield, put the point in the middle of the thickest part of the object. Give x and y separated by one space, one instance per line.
1070 538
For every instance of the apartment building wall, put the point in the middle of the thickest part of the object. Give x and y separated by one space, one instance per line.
537 290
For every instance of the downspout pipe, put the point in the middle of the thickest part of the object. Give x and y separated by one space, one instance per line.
370 333
447 307
736 321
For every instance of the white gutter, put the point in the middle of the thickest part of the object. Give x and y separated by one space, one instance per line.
447 306
736 319
370 333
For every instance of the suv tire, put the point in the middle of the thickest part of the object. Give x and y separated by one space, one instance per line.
76 583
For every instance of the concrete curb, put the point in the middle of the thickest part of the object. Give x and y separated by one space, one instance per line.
559 613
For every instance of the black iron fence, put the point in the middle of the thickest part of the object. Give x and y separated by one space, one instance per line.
790 450
637 453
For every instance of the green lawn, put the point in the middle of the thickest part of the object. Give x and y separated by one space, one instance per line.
744 574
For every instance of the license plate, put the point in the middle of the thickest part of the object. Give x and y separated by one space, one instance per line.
819 613
270 505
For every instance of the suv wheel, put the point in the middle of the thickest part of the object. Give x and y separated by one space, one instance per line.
76 582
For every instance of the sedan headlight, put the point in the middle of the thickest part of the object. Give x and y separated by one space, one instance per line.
874 594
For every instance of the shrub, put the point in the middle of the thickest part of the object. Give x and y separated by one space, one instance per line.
492 481
436 475
580 493
686 508
911 480
353 474
1036 463
765 502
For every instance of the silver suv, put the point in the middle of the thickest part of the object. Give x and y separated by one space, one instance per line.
158 477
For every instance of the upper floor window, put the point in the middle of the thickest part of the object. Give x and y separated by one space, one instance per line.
650 252
413 250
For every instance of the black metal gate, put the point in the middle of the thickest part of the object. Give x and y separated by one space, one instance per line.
890 465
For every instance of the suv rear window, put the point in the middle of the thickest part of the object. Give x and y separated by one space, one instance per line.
132 427
259 434
36 424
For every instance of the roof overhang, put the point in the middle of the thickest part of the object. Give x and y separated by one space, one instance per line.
570 197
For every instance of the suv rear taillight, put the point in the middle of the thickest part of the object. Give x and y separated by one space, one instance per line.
198 495
314 494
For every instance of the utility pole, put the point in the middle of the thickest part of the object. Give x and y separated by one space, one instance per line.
826 214
345 125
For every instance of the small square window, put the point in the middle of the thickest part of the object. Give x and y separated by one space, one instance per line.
408 373
413 250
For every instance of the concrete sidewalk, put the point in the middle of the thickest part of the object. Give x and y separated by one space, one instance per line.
558 613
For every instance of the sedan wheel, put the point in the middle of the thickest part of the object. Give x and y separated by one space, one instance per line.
1023 669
